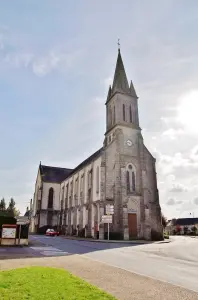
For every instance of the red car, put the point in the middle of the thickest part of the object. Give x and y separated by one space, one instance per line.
51 232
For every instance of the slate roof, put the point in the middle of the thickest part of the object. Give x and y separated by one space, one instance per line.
27 213
57 175
87 160
54 174
186 221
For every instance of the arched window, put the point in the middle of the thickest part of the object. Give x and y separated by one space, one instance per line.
114 115
110 116
97 179
50 198
123 111
130 114
131 179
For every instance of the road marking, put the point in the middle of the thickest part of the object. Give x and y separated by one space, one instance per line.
54 253
50 251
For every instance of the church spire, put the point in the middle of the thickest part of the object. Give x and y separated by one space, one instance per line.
120 82
132 90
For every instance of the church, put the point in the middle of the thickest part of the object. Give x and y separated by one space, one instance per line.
121 173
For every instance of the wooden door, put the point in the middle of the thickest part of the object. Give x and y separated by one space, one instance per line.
132 223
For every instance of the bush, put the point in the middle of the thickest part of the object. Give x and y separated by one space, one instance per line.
156 236
113 235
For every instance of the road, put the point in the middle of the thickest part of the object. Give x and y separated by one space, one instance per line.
175 262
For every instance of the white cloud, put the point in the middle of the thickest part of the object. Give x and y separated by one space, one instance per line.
173 201
39 64
187 111
173 133
178 188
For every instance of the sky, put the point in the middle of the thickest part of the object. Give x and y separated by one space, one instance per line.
57 59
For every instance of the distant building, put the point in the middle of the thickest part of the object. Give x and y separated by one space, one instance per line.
121 173
182 225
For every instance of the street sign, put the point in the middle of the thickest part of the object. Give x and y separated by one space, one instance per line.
109 209
22 223
107 219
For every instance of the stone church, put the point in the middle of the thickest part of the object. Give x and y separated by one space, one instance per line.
122 173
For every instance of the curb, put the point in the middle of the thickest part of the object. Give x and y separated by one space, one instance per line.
138 242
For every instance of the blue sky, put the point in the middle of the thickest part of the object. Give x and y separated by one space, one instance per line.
57 59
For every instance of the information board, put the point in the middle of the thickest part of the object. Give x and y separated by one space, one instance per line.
8 233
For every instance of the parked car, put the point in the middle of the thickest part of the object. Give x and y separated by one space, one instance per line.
51 232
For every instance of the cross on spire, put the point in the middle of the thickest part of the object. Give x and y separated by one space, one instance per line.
118 44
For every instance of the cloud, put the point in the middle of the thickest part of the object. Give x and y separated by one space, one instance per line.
173 133
172 201
42 66
196 201
15 56
178 188
187 111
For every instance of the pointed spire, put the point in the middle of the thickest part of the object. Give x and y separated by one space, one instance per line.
120 82
132 90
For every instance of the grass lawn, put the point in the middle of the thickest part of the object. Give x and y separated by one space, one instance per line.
43 283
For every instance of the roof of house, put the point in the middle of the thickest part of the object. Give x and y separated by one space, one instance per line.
186 221
27 213
57 175
54 174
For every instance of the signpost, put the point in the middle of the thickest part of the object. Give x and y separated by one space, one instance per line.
21 221
108 217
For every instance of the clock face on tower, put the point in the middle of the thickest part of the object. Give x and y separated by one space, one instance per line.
129 143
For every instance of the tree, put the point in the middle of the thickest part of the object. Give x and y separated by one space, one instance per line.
194 230
16 212
2 205
164 221
11 207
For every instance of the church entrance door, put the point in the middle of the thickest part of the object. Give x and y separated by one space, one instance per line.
132 224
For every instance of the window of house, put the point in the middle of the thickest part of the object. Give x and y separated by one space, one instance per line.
76 186
62 197
97 179
110 116
82 183
131 179
50 198
114 115
89 179
130 114
66 195
39 205
123 110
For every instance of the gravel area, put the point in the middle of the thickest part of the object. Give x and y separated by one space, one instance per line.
120 283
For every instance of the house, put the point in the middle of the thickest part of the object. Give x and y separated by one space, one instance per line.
182 225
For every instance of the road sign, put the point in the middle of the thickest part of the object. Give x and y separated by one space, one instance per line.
107 219
109 209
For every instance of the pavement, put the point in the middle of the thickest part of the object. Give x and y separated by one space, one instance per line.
127 271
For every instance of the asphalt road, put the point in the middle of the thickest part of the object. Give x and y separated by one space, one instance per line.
175 262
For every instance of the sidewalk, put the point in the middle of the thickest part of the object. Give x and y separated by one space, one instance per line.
113 241
122 284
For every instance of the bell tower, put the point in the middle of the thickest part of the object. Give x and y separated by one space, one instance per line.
121 103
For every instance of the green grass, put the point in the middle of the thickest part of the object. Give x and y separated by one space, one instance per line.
42 283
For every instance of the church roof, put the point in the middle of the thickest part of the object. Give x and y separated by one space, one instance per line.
186 221
120 82
57 175
87 160
54 174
